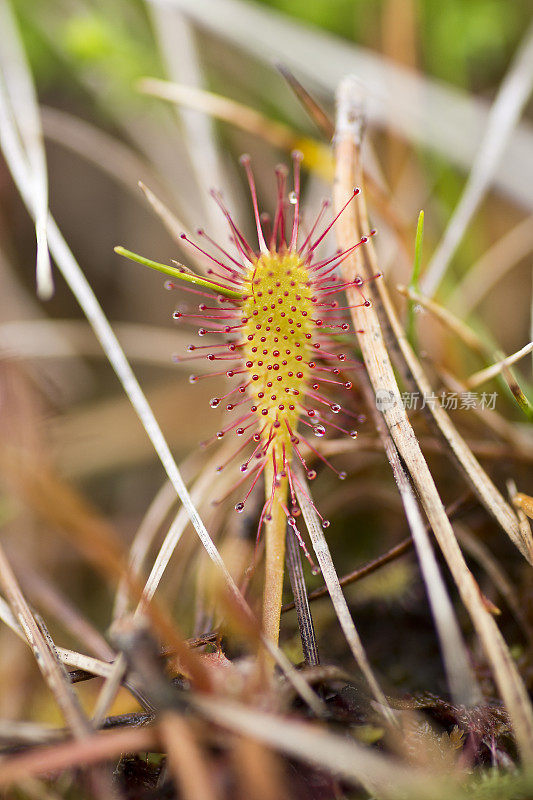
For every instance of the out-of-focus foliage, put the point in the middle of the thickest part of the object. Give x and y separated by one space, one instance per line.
465 42
111 43
460 40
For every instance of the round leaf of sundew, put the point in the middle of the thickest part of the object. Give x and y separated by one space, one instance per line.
176 273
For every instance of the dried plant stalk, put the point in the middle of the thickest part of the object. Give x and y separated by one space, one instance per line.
45 654
381 374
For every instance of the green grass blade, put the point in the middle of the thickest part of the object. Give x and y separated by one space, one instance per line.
182 276
415 277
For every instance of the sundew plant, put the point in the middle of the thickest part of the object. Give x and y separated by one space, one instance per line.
265 516
281 313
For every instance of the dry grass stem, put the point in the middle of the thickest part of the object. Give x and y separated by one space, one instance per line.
381 374
491 372
44 651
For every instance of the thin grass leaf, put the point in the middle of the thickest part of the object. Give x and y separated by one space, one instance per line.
415 277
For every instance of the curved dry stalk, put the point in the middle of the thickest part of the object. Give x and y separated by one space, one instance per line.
21 91
45 653
381 374
489 373
147 530
275 133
